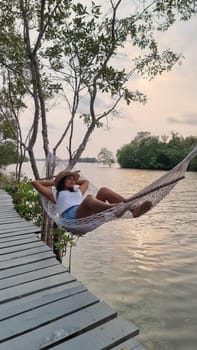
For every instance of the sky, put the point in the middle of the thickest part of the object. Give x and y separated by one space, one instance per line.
171 105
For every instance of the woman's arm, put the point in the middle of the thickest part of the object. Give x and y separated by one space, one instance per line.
44 187
83 185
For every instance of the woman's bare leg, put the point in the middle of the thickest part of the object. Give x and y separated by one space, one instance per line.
107 195
92 205
106 199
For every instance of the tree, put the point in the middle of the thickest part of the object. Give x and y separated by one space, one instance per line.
57 49
106 157
8 146
8 154
53 46
148 152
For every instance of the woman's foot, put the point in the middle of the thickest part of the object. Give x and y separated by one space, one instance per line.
136 211
141 209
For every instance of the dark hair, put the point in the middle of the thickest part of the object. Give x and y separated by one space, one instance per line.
60 186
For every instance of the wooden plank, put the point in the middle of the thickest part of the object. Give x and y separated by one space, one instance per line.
31 276
2 192
8 207
4 242
38 317
62 329
44 297
5 196
16 248
22 253
6 204
6 199
103 337
26 260
131 344
34 286
18 232
14 227
5 221
24 223
9 213
26 268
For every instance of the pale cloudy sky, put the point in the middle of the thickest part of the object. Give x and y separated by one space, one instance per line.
171 102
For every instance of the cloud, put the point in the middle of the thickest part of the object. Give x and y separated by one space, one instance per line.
188 119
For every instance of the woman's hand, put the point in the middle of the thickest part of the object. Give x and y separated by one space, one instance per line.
83 185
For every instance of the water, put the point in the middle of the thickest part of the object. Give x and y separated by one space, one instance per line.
146 268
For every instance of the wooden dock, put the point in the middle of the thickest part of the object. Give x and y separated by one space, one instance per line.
42 306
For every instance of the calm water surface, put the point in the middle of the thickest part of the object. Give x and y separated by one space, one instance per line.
146 268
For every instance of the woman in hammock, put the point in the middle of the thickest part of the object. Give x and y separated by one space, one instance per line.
70 201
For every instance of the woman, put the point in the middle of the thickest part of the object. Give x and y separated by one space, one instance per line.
70 201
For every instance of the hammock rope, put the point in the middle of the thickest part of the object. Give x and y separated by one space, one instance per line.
154 192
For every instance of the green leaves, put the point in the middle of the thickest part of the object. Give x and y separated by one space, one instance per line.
149 152
169 8
8 146
26 201
133 96
8 153
64 240
151 65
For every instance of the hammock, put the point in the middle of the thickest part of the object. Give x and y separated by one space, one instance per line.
154 192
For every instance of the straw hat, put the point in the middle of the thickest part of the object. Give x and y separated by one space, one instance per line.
66 173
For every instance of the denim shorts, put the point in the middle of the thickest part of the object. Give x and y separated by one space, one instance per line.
70 213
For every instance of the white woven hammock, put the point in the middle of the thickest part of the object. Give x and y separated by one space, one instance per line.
154 192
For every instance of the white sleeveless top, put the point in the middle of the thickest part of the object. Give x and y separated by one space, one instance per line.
67 199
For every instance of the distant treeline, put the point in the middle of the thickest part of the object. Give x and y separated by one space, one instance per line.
154 152
87 160
81 160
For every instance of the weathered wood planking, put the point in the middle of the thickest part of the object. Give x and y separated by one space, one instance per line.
16 248
44 297
18 254
27 268
18 291
25 260
31 276
15 226
17 241
42 306
106 336
14 232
